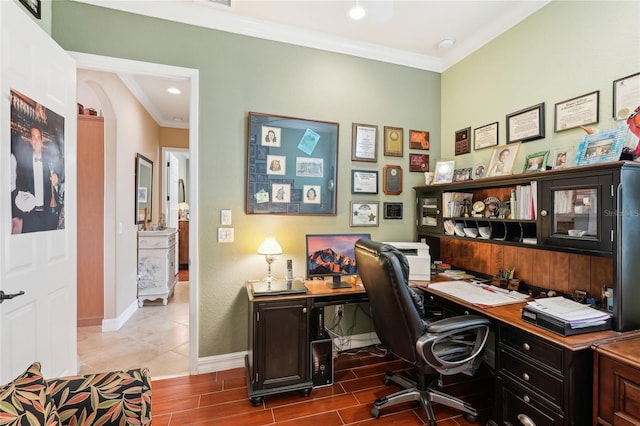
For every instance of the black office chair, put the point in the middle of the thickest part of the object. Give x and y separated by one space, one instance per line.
447 346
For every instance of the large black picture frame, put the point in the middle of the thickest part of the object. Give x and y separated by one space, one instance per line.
291 165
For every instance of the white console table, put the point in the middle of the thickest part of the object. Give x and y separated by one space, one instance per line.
156 265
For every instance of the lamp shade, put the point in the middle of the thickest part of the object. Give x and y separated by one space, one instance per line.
269 247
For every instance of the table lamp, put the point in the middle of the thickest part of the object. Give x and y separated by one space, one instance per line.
269 248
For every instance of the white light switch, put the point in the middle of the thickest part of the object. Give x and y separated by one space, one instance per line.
225 235
225 217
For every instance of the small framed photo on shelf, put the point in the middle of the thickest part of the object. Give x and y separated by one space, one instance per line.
392 211
626 96
364 144
33 6
364 182
393 140
460 175
364 213
463 143
561 158
526 125
418 162
444 171
601 147
485 136
479 171
392 180
502 160
419 139
576 112
536 162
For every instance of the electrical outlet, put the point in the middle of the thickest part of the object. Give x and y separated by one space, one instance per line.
225 235
339 310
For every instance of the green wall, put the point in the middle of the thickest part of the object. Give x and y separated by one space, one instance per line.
566 49
239 74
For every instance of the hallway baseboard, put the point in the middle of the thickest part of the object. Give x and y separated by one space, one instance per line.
115 324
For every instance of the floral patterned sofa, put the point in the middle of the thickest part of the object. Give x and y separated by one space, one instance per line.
113 398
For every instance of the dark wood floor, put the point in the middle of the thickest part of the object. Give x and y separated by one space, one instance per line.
221 398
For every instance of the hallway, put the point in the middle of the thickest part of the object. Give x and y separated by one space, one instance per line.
156 337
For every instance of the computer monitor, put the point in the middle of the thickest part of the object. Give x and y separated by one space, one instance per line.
332 255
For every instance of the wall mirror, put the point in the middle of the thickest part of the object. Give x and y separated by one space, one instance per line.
291 165
144 181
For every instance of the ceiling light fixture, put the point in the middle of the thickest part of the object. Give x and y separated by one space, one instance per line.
357 12
446 43
174 90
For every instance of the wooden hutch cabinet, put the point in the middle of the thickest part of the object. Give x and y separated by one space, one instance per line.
579 229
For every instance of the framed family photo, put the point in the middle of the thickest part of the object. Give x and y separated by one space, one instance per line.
601 147
502 160
536 162
444 171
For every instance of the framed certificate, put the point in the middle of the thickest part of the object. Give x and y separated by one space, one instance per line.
626 96
577 112
364 182
526 125
364 144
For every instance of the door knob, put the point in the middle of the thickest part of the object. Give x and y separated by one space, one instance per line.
4 296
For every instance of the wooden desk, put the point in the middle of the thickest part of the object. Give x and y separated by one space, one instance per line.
281 330
541 378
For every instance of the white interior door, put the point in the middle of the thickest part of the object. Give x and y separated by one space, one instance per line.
41 324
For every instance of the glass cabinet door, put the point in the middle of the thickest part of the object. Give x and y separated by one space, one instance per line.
573 213
429 213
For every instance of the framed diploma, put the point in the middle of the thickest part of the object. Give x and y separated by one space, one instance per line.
364 145
576 112
392 180
626 96
526 125
485 136
364 182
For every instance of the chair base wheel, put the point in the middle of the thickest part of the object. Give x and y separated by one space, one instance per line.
470 418
375 412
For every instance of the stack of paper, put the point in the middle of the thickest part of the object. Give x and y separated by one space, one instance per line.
575 314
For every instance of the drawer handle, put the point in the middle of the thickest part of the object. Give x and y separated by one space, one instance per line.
304 310
526 347
526 377
526 420
526 399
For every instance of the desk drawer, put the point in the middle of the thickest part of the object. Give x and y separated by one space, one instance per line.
532 347
530 376
523 408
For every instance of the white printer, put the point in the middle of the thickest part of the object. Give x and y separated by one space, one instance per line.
419 259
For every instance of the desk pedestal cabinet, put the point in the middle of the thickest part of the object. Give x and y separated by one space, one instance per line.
616 392
278 357
156 265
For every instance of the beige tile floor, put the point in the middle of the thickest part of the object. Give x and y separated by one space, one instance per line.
156 337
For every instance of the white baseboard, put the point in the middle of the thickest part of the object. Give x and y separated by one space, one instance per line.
215 363
115 324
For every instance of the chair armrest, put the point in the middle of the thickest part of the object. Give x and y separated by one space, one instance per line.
456 323
113 398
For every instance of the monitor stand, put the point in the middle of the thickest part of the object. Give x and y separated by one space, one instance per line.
338 283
